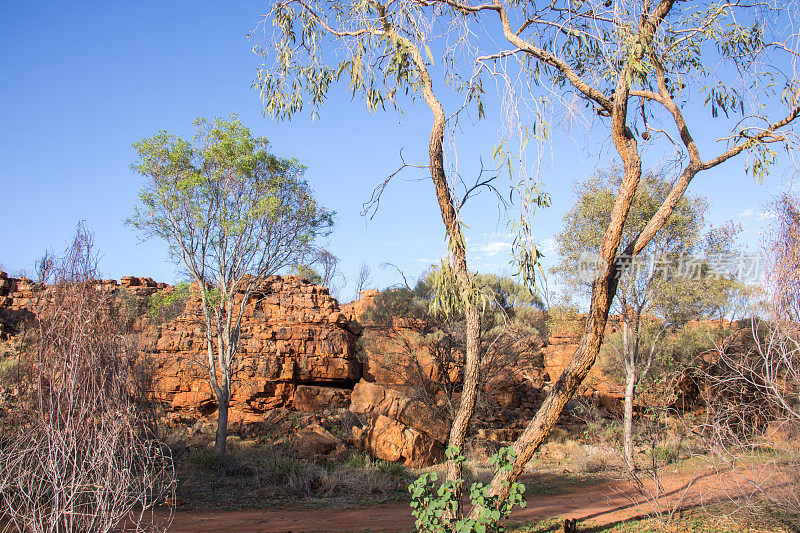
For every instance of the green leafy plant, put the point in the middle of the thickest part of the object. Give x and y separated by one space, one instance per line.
165 306
433 507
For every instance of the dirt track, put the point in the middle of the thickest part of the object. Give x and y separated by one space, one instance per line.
602 504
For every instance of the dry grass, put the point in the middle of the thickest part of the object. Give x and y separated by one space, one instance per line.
255 476
720 519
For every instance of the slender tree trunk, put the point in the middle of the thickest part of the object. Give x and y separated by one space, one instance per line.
582 361
630 390
469 391
221 440
603 291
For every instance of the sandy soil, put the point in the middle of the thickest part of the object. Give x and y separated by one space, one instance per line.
604 503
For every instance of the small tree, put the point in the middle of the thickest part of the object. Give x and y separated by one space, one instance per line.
362 279
641 283
232 214
322 269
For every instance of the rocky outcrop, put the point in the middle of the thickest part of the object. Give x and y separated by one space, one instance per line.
398 427
292 334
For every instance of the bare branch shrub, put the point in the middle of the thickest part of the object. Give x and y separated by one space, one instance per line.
80 454
424 351
753 387
753 421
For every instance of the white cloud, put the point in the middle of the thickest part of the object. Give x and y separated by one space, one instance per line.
548 246
494 248
768 215
747 213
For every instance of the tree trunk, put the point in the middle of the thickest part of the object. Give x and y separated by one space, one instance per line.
630 389
582 361
469 391
220 443
603 291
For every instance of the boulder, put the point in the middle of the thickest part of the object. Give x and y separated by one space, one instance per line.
316 440
388 439
312 398
374 399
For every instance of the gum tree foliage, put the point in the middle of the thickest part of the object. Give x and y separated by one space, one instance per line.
681 278
708 289
641 73
232 214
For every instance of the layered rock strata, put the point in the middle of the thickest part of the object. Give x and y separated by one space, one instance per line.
291 335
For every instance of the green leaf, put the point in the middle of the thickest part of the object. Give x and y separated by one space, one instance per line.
430 55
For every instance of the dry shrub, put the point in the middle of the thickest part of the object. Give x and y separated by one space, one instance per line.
753 421
80 454
753 394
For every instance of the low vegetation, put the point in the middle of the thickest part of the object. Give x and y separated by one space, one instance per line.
253 475
165 306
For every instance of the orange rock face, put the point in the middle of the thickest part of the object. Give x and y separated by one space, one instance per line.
293 333
390 440
398 428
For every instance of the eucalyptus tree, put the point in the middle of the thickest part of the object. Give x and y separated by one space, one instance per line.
643 284
386 56
633 71
232 214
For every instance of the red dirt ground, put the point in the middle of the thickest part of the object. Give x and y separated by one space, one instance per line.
602 504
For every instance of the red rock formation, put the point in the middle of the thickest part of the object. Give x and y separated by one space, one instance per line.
292 333
398 427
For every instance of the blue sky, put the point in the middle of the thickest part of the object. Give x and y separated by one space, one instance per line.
80 82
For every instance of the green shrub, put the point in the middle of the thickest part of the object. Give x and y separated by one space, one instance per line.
665 455
392 469
165 306
430 506
357 460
